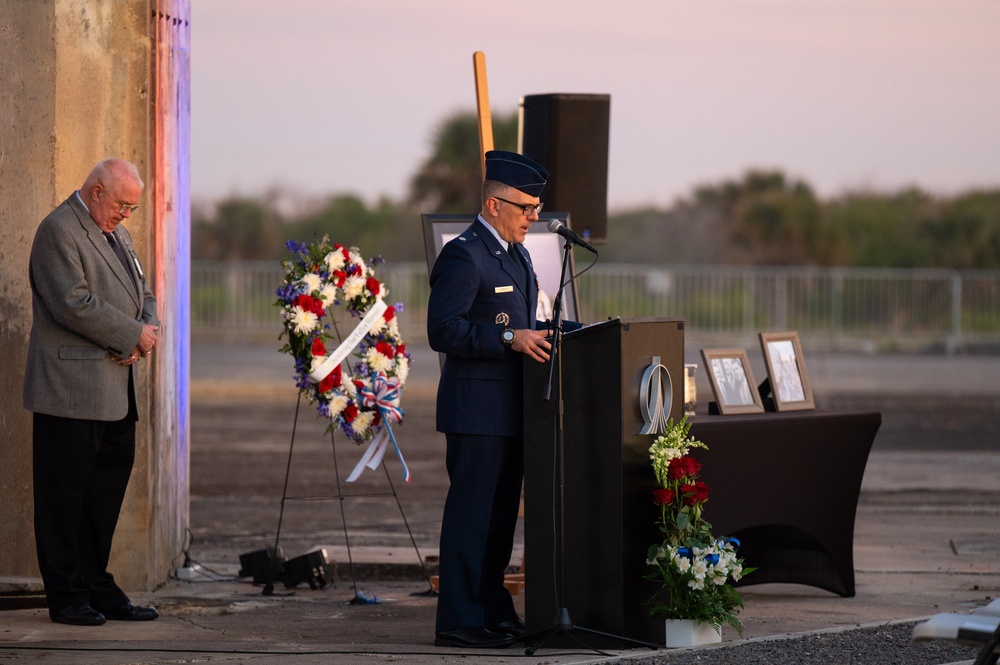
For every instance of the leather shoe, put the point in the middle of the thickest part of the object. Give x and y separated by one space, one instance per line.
130 612
513 627
475 637
78 615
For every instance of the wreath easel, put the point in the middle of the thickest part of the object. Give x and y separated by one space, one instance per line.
357 384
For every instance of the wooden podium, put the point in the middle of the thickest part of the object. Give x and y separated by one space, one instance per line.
608 480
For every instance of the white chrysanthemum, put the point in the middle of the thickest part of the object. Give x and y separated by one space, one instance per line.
305 322
354 286
347 383
328 294
311 281
394 328
357 260
402 368
335 260
337 404
363 422
377 361
378 326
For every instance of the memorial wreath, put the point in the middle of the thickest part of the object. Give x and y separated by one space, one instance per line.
693 567
356 380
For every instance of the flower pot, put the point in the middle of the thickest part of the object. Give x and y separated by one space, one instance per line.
690 633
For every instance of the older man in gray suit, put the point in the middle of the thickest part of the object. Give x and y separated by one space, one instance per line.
93 319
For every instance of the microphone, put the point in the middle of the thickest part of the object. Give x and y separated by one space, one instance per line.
555 226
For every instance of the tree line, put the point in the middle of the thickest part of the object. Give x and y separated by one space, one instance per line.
763 217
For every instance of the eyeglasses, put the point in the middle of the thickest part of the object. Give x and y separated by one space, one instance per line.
122 207
526 208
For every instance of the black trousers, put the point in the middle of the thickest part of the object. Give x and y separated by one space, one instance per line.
81 469
477 530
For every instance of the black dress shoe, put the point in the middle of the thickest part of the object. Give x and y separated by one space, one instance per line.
513 627
473 638
130 612
78 615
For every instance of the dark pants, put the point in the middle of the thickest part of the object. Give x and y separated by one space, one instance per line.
81 469
477 530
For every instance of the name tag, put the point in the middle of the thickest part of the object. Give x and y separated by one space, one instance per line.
503 289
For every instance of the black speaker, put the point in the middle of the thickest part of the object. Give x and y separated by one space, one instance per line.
568 134
255 564
312 568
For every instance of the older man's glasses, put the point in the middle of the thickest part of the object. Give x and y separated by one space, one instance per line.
526 208
122 207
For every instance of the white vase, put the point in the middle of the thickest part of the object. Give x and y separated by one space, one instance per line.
690 633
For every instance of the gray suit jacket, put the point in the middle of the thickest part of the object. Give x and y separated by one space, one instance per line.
85 307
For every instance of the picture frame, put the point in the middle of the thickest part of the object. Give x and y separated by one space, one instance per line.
545 248
732 381
786 371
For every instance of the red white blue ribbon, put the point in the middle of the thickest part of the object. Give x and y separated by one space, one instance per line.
383 395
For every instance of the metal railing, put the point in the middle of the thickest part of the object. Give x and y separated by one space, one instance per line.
837 308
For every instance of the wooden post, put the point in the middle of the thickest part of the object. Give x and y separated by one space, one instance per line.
482 108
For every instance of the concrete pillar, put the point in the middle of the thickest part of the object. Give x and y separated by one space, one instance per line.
79 85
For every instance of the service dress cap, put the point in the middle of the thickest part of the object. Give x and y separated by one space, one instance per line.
518 171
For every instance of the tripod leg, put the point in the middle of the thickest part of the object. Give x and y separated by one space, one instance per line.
430 591
269 585
357 600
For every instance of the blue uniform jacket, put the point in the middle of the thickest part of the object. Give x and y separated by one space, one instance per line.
473 283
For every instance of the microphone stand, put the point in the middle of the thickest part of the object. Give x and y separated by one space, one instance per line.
564 623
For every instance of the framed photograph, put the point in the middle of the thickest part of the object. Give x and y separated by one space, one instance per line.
786 371
546 251
732 381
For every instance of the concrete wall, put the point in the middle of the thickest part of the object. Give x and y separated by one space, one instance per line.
76 88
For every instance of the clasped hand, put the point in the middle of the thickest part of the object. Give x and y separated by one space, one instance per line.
147 340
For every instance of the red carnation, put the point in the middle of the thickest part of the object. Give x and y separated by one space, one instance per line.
401 350
373 285
390 313
318 348
350 412
385 348
309 304
340 277
331 381
662 497
343 250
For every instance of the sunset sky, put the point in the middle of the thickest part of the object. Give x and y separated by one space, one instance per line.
325 97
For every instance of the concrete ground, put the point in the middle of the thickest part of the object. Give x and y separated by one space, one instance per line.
927 534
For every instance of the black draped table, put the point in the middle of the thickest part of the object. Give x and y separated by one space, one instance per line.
786 483
787 486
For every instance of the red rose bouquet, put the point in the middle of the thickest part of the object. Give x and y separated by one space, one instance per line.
693 567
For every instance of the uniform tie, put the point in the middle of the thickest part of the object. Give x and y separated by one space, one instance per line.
512 250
